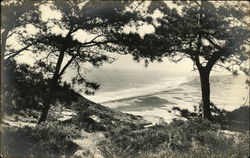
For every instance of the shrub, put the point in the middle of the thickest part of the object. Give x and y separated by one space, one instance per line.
238 119
179 138
198 111
25 88
83 120
46 140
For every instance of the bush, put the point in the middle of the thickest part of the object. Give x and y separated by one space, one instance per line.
182 134
46 140
180 138
238 119
217 112
26 88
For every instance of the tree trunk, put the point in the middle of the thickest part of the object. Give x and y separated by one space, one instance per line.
3 43
205 90
4 36
54 81
44 113
53 85
48 100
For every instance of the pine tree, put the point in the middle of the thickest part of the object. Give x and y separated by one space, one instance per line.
212 34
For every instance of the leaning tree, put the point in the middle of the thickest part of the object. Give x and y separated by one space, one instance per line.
212 34
68 48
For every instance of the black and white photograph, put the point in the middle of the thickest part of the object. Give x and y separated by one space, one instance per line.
125 79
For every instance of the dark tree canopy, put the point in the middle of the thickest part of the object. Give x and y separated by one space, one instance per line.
210 33
57 52
97 20
15 14
25 88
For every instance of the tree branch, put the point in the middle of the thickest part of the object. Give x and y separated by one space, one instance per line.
212 61
11 34
198 64
93 40
138 6
95 44
213 43
68 63
12 55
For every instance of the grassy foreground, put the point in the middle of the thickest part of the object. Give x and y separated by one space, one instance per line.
110 137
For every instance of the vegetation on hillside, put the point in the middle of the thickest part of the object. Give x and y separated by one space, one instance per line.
191 138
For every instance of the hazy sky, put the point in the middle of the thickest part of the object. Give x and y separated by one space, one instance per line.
184 67
127 62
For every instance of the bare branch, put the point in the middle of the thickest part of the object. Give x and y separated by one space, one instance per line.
95 38
95 43
12 55
11 34
68 63
213 43
138 6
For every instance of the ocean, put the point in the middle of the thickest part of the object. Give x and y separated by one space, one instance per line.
152 94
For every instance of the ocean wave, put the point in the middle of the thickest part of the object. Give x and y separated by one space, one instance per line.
167 84
142 103
176 90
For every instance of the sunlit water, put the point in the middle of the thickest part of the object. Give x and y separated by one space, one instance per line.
153 94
